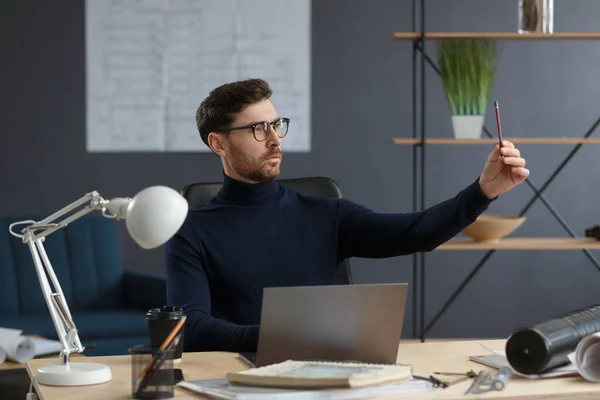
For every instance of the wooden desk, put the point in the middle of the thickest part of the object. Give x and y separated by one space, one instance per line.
194 365
426 358
8 364
453 356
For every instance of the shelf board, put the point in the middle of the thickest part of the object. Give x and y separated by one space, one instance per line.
523 243
564 140
498 35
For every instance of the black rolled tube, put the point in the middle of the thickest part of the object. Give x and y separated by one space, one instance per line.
542 347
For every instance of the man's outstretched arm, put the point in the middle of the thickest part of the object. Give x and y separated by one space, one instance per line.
188 288
365 233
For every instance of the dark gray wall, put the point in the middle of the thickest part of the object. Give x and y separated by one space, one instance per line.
361 98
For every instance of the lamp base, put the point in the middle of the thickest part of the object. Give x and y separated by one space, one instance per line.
73 374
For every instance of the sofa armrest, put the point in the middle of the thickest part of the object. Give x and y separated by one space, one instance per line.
143 291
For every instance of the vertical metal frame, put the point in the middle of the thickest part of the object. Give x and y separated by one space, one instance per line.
419 54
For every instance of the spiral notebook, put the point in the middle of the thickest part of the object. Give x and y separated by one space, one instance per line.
321 374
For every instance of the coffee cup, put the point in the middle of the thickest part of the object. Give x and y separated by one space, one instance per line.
161 322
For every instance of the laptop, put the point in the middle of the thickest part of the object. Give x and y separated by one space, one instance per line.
361 323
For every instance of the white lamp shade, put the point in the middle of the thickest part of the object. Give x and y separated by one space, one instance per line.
154 215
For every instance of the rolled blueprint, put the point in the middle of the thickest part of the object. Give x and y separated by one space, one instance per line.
16 347
539 348
22 350
586 356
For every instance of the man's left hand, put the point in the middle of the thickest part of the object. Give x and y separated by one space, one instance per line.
504 169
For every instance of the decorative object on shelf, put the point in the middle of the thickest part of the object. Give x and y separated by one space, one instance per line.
536 16
467 68
593 232
493 227
152 217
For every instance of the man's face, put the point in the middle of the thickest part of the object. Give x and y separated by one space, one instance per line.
246 158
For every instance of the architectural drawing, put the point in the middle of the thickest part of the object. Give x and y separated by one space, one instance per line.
151 62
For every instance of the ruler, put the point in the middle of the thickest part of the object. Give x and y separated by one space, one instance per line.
487 381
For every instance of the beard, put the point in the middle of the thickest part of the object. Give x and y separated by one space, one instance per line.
256 170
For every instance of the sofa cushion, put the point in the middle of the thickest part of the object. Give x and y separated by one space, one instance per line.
114 347
91 325
84 255
9 290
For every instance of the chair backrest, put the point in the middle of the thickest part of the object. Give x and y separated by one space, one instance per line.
198 194
84 256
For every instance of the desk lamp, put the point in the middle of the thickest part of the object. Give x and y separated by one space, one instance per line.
152 217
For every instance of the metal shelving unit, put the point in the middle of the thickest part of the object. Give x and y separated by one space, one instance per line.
420 59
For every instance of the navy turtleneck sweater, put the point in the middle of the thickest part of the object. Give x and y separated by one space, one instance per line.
252 236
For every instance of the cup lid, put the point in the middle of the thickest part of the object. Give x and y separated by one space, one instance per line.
165 312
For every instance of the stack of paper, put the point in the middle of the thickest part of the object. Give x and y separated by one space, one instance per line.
222 389
499 360
312 380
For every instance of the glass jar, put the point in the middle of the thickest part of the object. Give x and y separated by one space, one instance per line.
536 16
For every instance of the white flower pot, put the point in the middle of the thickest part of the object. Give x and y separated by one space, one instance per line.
467 126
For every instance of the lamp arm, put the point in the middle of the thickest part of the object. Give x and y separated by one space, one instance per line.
55 299
91 201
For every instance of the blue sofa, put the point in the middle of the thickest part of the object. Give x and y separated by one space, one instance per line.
108 304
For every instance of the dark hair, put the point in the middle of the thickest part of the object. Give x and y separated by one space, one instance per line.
218 109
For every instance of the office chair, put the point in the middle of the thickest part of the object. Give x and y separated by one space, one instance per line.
198 194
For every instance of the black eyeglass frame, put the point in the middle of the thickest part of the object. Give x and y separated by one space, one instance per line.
254 125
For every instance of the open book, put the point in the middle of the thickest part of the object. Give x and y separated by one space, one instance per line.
320 374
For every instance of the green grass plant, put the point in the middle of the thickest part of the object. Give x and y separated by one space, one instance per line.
467 69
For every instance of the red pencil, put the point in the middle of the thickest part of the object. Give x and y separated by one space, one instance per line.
498 123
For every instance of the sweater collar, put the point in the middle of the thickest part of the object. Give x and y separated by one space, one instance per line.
238 192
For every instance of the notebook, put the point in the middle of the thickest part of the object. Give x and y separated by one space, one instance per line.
321 374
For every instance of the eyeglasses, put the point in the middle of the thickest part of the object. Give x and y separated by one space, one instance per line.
260 130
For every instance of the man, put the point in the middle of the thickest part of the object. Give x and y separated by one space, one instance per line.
257 233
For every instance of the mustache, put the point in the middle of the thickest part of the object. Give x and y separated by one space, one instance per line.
274 153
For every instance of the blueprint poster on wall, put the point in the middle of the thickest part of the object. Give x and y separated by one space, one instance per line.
151 62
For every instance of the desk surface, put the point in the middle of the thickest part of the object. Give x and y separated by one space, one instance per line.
426 358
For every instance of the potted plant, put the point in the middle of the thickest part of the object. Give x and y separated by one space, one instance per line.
467 69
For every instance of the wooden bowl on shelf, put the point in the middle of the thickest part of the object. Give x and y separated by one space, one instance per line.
493 227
